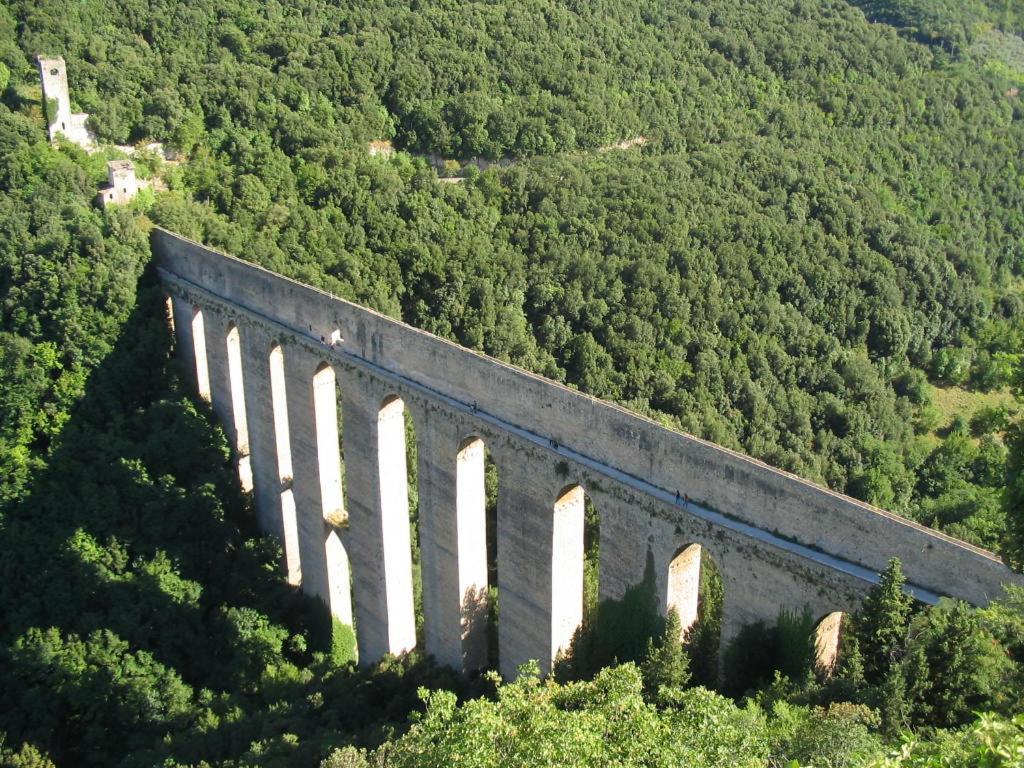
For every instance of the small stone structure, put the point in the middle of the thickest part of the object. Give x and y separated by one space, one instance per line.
122 186
61 121
279 360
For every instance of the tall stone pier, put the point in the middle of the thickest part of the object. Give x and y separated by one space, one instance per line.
320 397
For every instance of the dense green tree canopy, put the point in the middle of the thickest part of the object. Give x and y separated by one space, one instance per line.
787 227
822 207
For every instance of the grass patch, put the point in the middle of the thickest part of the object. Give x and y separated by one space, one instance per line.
957 401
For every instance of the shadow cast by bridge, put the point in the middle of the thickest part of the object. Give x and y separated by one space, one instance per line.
620 631
137 535
614 632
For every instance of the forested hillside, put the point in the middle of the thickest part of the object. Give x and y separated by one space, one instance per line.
813 253
824 214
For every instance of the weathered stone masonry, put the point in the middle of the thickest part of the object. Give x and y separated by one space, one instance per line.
279 360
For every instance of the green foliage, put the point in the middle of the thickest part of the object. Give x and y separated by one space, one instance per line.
144 618
26 757
50 111
666 664
848 675
795 632
602 722
913 385
1004 620
952 365
823 211
990 419
953 666
591 558
617 631
935 668
253 639
760 654
620 271
992 742
343 644
992 371
837 736
704 638
346 757
750 660
96 693
948 466
882 621
1013 544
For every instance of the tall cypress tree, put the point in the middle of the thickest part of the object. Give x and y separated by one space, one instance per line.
667 663
881 623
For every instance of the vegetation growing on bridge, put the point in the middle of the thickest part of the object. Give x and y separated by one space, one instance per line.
824 222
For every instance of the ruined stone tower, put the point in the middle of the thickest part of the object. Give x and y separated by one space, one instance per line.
53 76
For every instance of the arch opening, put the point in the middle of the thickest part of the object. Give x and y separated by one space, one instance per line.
827 638
412 492
591 560
234 349
327 422
282 444
169 308
567 567
684 587
476 529
491 513
399 502
695 592
340 586
199 349
328 445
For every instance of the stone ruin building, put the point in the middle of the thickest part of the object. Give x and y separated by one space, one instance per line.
122 186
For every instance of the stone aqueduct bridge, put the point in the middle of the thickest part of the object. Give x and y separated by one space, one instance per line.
277 359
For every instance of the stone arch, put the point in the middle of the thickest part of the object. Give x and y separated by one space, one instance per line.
396 524
567 567
827 638
684 586
239 419
695 589
476 531
282 444
199 350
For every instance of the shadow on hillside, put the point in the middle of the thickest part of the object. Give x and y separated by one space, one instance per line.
138 491
138 527
619 632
